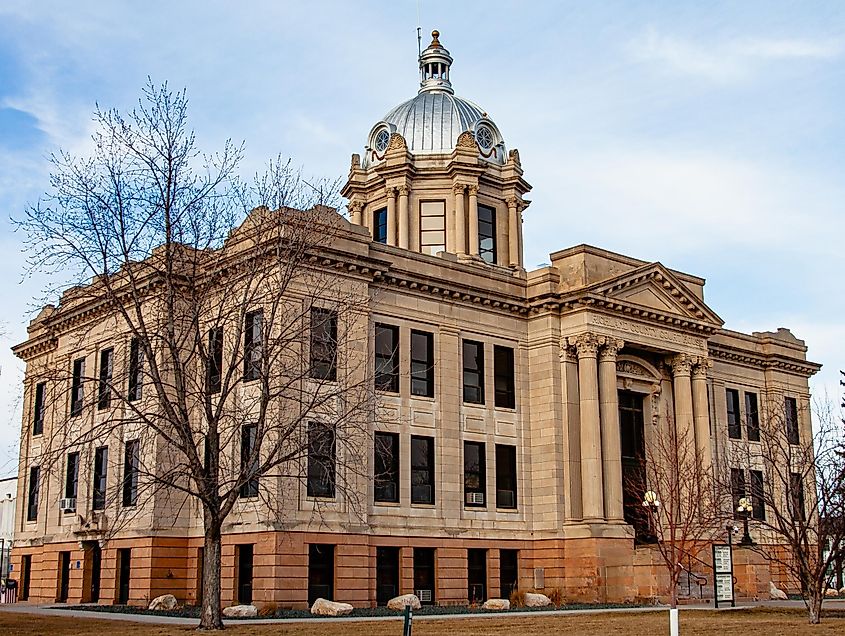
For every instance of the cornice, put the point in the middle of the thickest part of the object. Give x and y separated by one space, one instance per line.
764 362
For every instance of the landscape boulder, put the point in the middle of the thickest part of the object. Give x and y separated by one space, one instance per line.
163 602
240 611
775 594
536 600
322 607
399 603
842 591
831 592
496 604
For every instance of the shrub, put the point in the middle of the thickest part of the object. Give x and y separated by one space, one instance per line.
517 598
556 597
268 610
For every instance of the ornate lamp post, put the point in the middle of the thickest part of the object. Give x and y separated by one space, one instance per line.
651 503
745 509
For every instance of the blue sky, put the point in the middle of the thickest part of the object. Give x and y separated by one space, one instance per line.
708 136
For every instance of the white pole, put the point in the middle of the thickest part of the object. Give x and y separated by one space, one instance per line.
673 622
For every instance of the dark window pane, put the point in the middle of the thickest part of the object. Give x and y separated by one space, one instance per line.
249 460
737 489
422 363
77 391
72 476
387 358
508 572
422 470
32 498
136 369
321 460
487 233
476 575
131 466
386 467
214 376
320 572
734 425
475 485
106 365
758 503
38 410
796 497
253 344
791 416
503 370
323 344
380 225
101 467
505 476
752 418
245 554
473 360
424 575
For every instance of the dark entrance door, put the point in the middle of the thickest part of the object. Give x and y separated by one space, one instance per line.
124 557
64 576
387 574
245 561
632 437
508 572
320 572
26 566
424 575
476 575
93 562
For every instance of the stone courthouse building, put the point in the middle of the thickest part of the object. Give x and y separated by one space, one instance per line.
514 405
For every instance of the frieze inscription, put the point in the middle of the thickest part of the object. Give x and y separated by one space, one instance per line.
648 331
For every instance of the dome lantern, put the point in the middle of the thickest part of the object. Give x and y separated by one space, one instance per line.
434 67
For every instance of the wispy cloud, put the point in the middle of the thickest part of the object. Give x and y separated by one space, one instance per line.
728 59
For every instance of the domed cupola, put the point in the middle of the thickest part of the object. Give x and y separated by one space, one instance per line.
435 177
432 121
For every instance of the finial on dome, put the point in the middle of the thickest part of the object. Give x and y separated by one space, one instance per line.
434 66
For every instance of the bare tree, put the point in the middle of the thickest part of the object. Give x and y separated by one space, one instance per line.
803 494
681 503
240 356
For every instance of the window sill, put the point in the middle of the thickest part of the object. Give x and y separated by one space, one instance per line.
415 504
424 398
505 409
388 504
508 511
317 498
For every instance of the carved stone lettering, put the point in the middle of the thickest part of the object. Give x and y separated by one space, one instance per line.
649 331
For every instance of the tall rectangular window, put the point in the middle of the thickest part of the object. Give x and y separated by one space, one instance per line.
796 497
131 468
76 389
505 476
737 488
323 344
503 372
432 227
32 498
253 340
214 372
734 425
386 467
320 572
380 225
487 233
422 363
473 360
136 370
422 470
104 390
387 358
791 417
101 468
38 409
475 474
752 417
72 476
758 503
321 460
249 460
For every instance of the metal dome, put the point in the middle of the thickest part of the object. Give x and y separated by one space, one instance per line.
432 121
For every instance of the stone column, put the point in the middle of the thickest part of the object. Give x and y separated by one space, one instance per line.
460 219
519 234
682 389
404 220
701 412
513 232
355 208
391 216
592 496
473 220
611 444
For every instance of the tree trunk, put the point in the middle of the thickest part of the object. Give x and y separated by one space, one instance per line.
212 616
814 604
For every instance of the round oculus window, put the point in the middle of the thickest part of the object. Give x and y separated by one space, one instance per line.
484 137
382 140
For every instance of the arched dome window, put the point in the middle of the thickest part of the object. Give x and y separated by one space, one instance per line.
484 137
382 140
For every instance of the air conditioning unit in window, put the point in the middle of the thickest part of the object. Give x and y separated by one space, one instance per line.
68 504
423 595
505 499
475 498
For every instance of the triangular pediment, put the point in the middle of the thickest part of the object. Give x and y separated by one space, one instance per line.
654 287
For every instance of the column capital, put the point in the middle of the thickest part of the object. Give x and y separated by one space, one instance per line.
459 188
700 367
356 205
586 344
390 190
403 190
473 190
609 348
681 364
